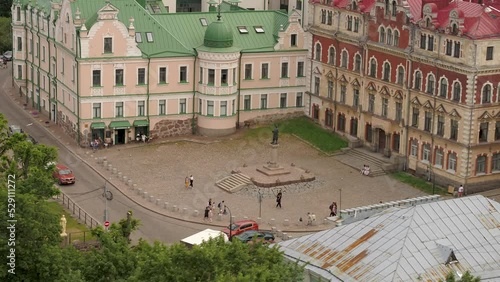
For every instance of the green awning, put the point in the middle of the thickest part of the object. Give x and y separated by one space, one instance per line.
97 125
140 123
123 124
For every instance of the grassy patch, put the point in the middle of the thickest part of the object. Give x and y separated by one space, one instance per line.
78 231
419 183
305 129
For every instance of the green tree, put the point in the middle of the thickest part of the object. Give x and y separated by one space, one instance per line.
5 8
5 31
467 277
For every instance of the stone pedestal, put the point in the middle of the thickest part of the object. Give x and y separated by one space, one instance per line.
273 168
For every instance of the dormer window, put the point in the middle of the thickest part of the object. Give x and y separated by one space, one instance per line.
454 29
243 29
428 23
259 29
138 37
354 5
108 45
203 22
149 36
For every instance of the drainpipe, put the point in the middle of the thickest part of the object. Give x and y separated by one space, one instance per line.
193 125
147 97
78 56
238 88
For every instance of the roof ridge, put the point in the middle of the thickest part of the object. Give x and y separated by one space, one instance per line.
398 261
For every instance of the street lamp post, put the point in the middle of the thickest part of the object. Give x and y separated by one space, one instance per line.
260 203
230 224
340 203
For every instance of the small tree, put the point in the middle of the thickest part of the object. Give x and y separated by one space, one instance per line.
467 277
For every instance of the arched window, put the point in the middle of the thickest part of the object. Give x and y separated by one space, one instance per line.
331 55
396 38
387 71
317 55
389 36
418 80
344 59
430 84
373 67
443 88
394 8
387 7
354 5
357 62
457 91
381 36
401 75
454 28
428 22
486 94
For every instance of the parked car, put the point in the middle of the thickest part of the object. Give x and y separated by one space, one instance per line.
64 175
241 226
259 236
7 55
15 129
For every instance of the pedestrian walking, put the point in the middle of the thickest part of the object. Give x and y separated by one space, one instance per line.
210 214
207 211
191 180
278 199
222 207
210 202
333 209
460 191
186 182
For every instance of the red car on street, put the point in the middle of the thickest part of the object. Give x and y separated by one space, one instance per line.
241 226
64 175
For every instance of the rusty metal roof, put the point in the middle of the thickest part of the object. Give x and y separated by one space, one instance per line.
423 242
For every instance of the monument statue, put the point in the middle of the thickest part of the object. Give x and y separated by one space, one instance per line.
275 135
63 225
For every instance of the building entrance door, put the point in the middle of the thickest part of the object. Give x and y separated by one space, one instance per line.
381 140
120 136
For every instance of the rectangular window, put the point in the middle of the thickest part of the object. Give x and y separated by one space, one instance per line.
210 108
248 71
356 24
140 108
234 76
138 37
149 36
264 73
399 111
414 117
223 108
200 105
452 161
483 132
355 98
162 107
18 14
211 76
481 164
330 89
293 40
263 101
349 22
62 65
298 99
96 78
300 69
183 74
426 154
96 110
456 52
497 131
423 41
108 45
43 53
37 49
284 70
183 107
495 162
283 100
119 109
489 53
428 121
141 76
162 76
454 130
247 102
19 43
343 93
449 45
31 46
371 103
223 76
414 147
440 126
385 107
439 158
430 46
316 85
201 74
119 77
19 71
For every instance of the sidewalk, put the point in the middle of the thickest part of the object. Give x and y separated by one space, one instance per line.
159 169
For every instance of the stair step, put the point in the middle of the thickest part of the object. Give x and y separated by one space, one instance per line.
362 156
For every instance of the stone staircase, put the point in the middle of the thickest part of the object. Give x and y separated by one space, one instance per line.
233 182
356 158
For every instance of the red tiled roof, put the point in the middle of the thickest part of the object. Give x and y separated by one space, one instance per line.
415 9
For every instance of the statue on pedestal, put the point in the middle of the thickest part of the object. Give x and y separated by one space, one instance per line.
63 225
275 135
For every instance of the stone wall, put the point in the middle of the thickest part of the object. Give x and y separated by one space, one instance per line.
169 128
273 118
66 125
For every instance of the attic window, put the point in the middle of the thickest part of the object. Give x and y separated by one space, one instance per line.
258 29
203 22
138 37
149 36
243 29
156 8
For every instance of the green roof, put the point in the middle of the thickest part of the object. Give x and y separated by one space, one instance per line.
97 125
140 123
218 35
122 124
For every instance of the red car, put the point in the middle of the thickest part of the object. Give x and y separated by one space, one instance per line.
241 226
64 175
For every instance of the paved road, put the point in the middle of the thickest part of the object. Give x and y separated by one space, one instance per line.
87 192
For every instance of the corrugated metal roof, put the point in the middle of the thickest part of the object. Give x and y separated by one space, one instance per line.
405 244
